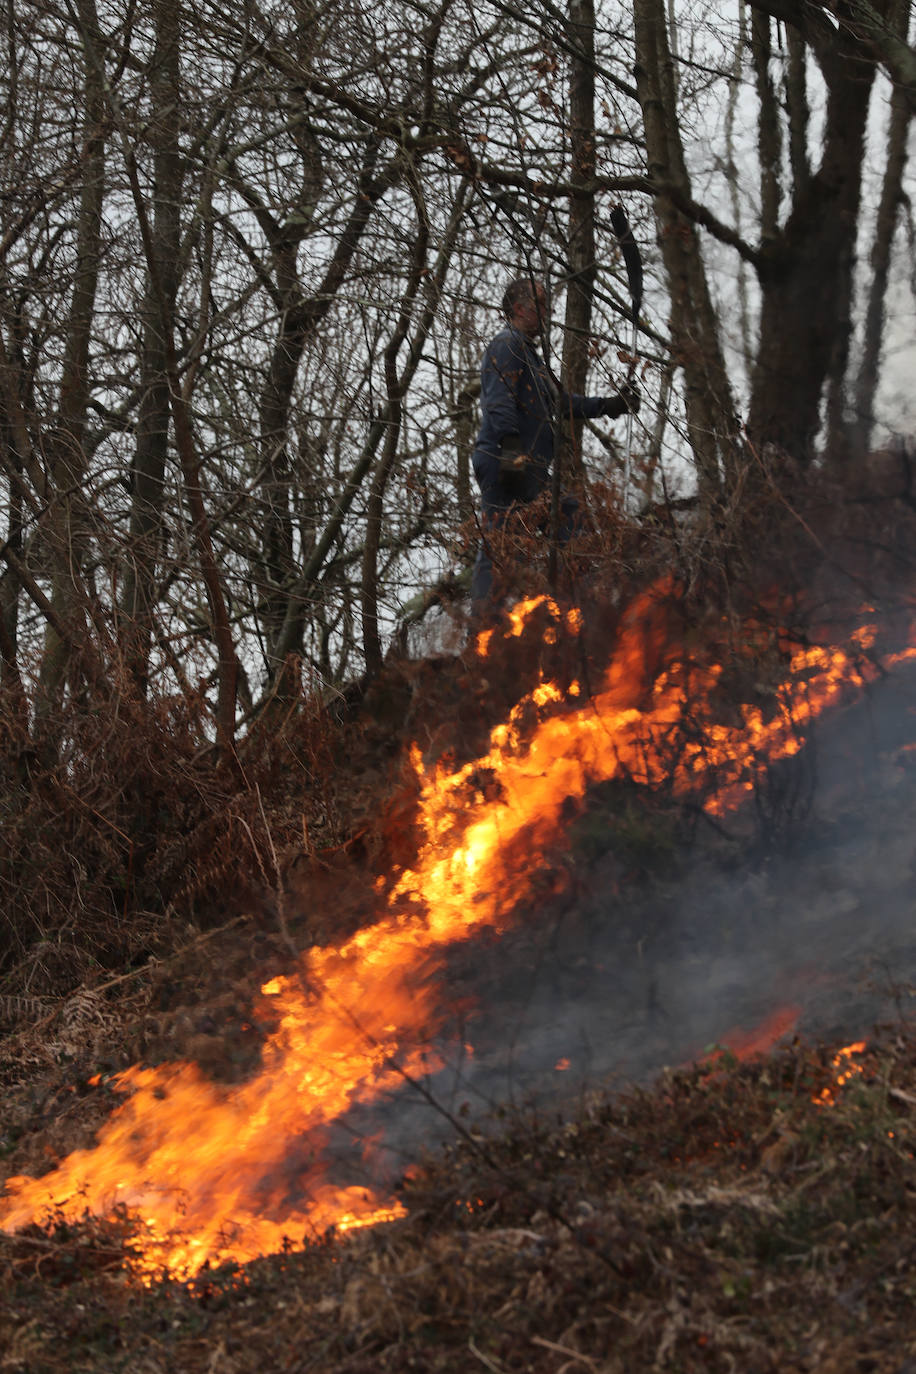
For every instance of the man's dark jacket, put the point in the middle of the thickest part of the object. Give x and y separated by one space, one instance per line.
520 403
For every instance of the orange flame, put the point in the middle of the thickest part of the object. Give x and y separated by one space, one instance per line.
212 1172
842 1061
753 1044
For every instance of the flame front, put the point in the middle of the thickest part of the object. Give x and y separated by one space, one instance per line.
213 1172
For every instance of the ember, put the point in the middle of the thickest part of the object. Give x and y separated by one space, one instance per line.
842 1061
215 1173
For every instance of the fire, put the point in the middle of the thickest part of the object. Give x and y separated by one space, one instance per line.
760 1041
211 1172
846 1070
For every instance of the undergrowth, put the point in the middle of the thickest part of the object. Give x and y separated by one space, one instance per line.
722 1220
120 823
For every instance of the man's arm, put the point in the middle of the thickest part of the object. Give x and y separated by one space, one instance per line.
591 407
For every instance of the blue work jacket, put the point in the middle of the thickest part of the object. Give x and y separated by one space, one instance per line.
519 397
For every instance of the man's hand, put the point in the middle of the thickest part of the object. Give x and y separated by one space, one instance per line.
627 399
511 457
629 394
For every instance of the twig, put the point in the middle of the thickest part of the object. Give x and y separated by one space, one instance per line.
281 890
484 1359
564 1350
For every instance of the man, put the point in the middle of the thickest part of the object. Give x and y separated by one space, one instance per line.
520 402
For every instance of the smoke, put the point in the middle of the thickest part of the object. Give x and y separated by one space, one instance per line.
799 919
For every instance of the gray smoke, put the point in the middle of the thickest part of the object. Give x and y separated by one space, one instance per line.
810 904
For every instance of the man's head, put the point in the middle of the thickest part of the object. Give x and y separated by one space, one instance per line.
525 305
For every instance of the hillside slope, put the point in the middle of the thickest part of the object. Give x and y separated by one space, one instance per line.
598 1210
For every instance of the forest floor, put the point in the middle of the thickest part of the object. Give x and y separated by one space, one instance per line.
746 1211
728 1217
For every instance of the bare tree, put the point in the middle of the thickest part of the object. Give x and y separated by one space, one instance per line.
805 267
696 341
148 468
888 214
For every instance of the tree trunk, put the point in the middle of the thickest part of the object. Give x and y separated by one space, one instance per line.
580 250
465 417
805 271
66 525
397 386
301 317
149 461
276 398
769 141
14 438
711 422
891 201
888 42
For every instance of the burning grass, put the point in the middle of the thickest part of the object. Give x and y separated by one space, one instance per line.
209 1168
737 1216
721 1220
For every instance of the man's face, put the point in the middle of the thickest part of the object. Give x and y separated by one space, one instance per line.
530 314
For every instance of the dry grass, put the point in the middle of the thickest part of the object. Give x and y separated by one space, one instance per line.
721 1221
